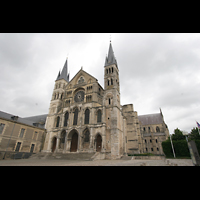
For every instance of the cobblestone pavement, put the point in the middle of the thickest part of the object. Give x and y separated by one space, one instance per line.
46 162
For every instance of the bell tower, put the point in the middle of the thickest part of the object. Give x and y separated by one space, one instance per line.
111 71
112 105
59 89
53 121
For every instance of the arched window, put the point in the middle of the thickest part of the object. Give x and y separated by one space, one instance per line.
108 82
57 121
66 118
112 69
98 116
109 70
157 129
75 116
111 81
109 101
87 116
87 136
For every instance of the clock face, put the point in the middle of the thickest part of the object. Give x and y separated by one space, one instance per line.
79 96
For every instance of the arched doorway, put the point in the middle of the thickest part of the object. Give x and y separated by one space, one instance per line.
54 144
74 142
98 143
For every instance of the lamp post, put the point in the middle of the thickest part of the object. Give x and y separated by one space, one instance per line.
172 146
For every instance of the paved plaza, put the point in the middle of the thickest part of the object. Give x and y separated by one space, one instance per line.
57 162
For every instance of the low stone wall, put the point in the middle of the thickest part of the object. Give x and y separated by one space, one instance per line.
14 155
148 158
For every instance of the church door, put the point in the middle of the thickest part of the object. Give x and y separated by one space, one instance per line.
99 143
54 144
74 142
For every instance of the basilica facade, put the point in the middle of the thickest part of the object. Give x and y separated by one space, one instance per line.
86 117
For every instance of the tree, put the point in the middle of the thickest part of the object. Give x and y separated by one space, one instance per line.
178 135
194 135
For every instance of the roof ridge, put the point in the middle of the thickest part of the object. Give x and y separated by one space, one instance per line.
149 114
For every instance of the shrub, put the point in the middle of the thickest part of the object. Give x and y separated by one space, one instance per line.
180 148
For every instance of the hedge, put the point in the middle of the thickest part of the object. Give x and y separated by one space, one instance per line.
180 148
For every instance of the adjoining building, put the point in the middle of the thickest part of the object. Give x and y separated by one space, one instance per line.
25 135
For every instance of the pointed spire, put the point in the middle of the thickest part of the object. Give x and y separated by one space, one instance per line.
58 75
64 74
111 58
106 61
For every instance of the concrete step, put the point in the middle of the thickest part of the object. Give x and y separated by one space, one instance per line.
126 158
64 156
40 155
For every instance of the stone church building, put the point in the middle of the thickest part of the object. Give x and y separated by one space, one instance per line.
86 117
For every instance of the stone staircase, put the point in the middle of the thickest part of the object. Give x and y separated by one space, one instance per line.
126 158
64 156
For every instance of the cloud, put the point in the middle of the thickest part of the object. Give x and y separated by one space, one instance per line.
156 70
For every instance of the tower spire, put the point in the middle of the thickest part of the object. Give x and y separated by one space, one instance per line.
64 74
111 58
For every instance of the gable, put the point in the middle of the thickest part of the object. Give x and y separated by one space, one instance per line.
81 78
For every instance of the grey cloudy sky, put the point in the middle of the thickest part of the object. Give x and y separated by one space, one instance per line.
157 70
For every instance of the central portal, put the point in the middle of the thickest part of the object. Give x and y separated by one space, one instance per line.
74 142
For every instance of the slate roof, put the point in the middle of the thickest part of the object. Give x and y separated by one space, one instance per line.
111 58
151 119
37 119
31 121
64 74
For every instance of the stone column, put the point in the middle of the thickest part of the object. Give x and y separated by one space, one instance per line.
65 144
79 141
103 143
104 115
103 139
68 144
49 143
91 140
57 144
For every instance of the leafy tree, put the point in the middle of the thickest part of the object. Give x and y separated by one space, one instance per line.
194 135
178 135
